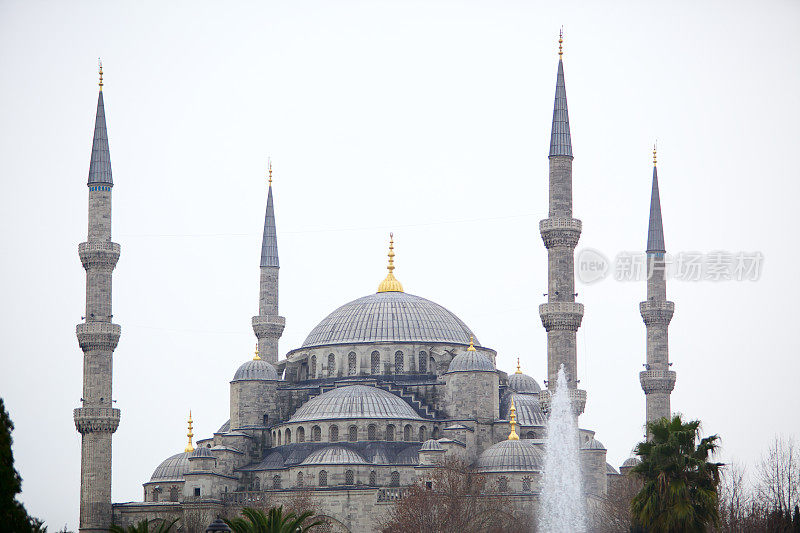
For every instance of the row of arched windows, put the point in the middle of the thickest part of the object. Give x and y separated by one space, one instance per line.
390 434
349 479
375 364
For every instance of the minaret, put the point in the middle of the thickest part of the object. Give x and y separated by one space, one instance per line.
657 380
561 315
97 420
267 325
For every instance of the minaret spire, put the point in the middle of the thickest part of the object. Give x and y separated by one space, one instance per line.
268 325
96 420
657 379
561 315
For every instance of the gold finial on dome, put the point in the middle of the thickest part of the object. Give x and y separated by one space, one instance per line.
560 42
256 357
518 369
189 447
270 171
471 344
654 153
100 71
512 415
390 283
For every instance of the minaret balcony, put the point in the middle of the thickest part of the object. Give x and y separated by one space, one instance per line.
98 335
577 398
655 381
656 311
96 419
560 231
103 254
561 315
270 327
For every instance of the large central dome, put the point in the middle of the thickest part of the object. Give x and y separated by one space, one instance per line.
389 317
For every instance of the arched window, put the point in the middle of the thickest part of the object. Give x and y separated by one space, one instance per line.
279 437
276 481
316 434
299 479
395 479
372 432
411 364
422 434
390 432
373 478
313 367
375 363
435 433
423 362
352 434
155 494
288 436
502 484
348 477
333 433
398 363
431 365
530 435
173 494
407 433
526 484
257 485
351 364
301 434
323 478
331 365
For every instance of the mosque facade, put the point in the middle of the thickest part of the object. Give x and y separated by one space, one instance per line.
382 389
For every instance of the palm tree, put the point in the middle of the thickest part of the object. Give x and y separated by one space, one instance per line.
679 490
273 522
159 526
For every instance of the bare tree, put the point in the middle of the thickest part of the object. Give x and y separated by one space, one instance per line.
778 475
613 513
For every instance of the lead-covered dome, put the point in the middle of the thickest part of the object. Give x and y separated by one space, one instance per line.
389 317
172 468
520 382
471 361
256 370
334 455
511 456
354 401
529 410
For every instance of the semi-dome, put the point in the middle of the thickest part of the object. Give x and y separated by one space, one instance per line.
354 401
389 317
256 370
431 445
593 444
511 456
471 361
520 382
201 451
172 468
334 455
529 410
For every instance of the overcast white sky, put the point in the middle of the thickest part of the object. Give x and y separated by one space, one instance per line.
429 119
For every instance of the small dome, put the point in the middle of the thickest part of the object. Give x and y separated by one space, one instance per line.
201 451
354 401
523 383
471 360
256 370
431 445
172 468
631 461
529 410
334 455
593 444
511 456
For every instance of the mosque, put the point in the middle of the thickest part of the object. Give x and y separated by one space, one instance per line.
380 391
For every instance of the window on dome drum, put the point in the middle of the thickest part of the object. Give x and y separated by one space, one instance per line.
411 364
372 432
390 432
288 436
265 420
301 434
276 481
502 484
331 365
351 364
155 495
197 492
422 434
407 433
348 477
435 435
526 484
352 434
257 485
333 433
398 363
173 494
423 362
312 369
530 435
323 478
279 438
373 478
375 363
394 479
316 433
299 479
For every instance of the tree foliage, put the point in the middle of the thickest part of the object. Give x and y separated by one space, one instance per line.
145 526
274 521
679 483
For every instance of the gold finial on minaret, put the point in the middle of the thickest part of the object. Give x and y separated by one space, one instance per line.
560 42
471 344
518 369
390 283
100 71
189 447
270 171
512 416
257 357
654 153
